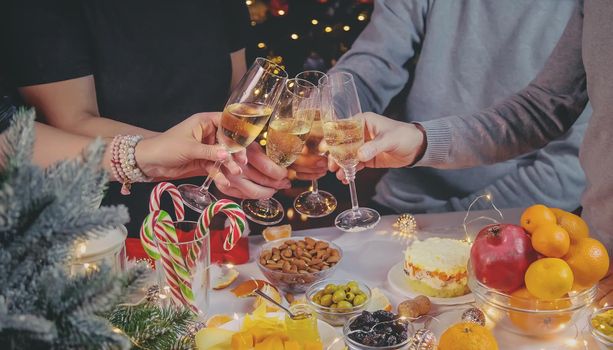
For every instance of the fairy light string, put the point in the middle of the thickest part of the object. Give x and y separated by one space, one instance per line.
488 198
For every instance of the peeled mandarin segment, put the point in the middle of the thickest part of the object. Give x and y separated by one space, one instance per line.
551 240
277 232
549 278
271 292
226 279
535 216
589 261
576 227
218 320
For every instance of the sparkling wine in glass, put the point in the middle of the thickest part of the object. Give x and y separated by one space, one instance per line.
344 134
288 131
315 203
245 115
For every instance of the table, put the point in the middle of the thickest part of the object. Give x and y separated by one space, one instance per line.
369 255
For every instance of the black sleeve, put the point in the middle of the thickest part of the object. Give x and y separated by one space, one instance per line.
236 23
45 41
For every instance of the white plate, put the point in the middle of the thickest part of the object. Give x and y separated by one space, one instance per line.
329 337
398 281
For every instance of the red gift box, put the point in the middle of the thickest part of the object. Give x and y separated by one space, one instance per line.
238 255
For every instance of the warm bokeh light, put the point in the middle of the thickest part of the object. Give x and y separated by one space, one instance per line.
294 36
253 23
314 22
261 45
346 28
249 2
281 12
361 17
328 29
290 213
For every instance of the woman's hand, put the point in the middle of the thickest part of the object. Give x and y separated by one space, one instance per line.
260 177
187 149
389 144
309 166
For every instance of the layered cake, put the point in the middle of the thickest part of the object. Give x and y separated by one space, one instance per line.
436 267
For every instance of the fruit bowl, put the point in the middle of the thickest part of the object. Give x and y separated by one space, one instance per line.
333 316
294 282
528 316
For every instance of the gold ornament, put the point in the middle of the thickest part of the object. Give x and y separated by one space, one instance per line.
474 315
406 223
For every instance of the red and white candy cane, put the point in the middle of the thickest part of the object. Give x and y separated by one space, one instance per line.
177 201
238 223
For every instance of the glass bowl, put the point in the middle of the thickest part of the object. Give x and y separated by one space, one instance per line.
332 316
354 345
294 282
605 342
529 317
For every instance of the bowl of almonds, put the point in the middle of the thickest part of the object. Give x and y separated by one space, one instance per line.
293 264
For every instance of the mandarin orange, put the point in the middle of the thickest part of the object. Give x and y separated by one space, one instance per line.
537 323
551 240
536 216
549 278
573 224
589 261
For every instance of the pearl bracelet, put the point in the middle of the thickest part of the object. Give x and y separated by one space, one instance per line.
123 161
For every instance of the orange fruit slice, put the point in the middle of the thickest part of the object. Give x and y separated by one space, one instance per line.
549 278
573 224
589 261
536 216
224 280
378 301
467 336
551 240
247 288
533 322
273 233
218 320
271 292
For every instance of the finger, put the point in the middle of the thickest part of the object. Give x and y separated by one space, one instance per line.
197 150
240 157
311 160
243 188
206 124
332 166
371 149
232 167
260 178
219 177
259 160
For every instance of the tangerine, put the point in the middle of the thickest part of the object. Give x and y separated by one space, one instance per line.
218 320
467 336
573 224
536 216
549 278
551 240
537 323
589 261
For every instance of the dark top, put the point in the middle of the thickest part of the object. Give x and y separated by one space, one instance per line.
155 62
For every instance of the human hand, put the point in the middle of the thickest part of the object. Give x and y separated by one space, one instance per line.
260 177
389 144
309 166
185 150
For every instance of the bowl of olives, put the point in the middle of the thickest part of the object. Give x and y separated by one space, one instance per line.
336 301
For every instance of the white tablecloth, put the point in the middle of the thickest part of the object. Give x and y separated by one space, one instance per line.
369 255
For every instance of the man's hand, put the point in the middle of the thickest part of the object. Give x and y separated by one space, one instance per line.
389 144
187 149
309 166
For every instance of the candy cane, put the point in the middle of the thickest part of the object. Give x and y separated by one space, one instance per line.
177 201
158 226
236 216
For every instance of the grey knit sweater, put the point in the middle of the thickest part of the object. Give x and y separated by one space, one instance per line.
580 66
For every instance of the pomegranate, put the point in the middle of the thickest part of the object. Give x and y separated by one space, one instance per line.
501 255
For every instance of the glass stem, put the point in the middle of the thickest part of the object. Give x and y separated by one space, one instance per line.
350 174
265 205
314 187
209 179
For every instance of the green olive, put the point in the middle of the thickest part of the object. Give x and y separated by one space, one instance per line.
359 299
333 306
344 305
339 295
349 296
325 300
353 284
330 288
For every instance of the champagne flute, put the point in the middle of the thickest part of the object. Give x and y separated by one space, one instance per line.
288 130
315 203
245 115
344 135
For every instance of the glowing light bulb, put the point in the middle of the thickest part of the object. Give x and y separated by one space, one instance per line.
261 45
361 17
281 12
328 29
249 2
294 36
314 21
346 28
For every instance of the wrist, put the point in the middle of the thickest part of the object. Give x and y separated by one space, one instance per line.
421 142
144 156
